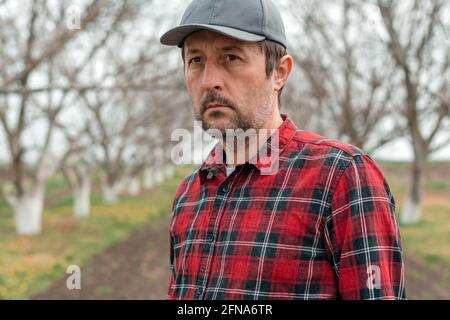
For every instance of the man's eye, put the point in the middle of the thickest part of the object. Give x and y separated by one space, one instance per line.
231 57
195 60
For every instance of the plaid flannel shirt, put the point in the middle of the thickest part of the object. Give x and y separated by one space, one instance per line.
322 227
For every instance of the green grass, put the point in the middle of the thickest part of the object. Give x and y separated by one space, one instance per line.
437 185
55 186
428 240
57 183
103 291
30 264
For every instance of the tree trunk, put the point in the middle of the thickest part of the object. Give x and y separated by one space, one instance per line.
412 211
82 198
134 188
149 180
28 211
159 176
170 171
110 193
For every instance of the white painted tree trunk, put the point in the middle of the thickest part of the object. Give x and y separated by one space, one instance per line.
149 180
134 188
170 171
82 198
412 209
110 194
411 212
28 211
159 176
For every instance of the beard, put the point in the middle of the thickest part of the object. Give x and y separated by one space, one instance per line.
237 119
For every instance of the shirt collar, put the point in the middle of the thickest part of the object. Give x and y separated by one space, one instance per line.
214 161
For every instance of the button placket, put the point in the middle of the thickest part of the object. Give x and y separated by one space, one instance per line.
224 189
210 175
199 291
210 236
220 202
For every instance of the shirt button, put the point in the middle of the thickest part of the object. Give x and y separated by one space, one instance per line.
210 175
224 189
210 237
199 290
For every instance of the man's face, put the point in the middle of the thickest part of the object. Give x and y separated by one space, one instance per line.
227 82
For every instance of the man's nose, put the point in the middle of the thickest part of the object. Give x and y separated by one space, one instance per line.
212 77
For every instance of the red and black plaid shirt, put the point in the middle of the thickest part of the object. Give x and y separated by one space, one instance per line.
322 227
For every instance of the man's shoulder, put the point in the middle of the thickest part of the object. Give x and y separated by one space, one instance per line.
320 151
316 145
338 158
187 181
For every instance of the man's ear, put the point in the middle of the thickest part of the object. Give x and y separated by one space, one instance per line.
283 71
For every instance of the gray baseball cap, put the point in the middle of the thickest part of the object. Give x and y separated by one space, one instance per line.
246 20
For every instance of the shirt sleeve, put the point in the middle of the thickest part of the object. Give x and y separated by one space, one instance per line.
170 295
362 234
172 277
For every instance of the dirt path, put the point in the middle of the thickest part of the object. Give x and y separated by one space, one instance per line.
426 282
137 268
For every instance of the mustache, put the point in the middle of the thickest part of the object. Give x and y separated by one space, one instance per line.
214 97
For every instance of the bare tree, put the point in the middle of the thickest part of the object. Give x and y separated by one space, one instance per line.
350 80
77 165
417 39
23 57
33 95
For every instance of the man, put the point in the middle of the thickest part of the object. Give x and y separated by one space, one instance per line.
321 225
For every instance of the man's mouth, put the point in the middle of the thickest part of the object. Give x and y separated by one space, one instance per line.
215 106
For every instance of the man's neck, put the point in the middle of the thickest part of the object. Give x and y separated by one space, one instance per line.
234 156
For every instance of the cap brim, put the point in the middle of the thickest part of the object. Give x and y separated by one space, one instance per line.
175 36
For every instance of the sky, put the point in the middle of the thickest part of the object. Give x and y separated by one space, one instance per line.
398 150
